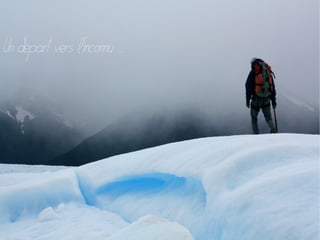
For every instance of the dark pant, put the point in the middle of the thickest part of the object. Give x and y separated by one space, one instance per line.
258 103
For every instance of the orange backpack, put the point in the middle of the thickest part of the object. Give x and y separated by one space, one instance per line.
263 79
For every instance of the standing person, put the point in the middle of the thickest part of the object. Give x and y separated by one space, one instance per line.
260 90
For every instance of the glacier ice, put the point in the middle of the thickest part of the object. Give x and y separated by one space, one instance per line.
256 187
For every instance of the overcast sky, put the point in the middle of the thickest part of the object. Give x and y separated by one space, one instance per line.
153 53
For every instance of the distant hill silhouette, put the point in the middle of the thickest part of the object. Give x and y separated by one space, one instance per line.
135 133
46 138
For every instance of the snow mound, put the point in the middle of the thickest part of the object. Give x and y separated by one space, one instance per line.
257 187
67 222
151 227
47 214
35 192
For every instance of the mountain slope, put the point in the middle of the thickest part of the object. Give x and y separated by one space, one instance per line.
135 133
33 137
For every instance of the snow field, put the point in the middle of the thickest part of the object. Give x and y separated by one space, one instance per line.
256 187
36 192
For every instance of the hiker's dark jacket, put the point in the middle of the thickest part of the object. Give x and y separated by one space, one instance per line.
250 85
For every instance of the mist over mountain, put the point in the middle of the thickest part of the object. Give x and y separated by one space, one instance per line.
165 53
296 116
33 134
37 130
138 131
173 70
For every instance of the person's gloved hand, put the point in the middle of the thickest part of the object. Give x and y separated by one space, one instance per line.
274 104
248 104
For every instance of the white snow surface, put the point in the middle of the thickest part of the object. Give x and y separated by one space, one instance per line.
9 114
22 113
238 187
